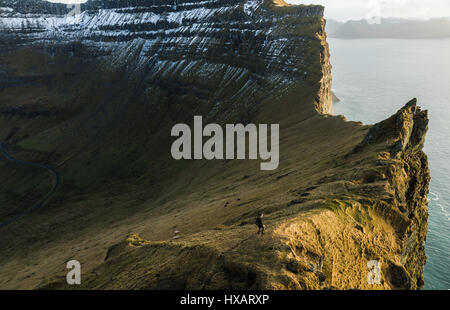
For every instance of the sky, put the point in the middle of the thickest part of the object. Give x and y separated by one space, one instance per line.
344 10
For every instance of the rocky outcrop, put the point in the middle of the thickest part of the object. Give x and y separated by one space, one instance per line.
406 130
406 168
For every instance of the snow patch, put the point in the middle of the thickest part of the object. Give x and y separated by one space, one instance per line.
250 6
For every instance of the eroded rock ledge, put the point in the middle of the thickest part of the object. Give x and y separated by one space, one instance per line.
405 166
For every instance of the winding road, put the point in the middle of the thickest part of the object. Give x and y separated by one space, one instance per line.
37 165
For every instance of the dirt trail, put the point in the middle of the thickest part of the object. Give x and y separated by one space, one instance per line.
43 200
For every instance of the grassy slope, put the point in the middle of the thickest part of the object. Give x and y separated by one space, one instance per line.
111 147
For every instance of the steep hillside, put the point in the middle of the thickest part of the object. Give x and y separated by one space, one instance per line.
96 97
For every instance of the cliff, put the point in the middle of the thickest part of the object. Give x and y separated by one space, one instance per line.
95 97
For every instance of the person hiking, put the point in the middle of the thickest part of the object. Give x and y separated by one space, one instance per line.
260 225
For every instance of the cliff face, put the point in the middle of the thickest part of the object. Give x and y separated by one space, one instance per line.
230 55
97 96
405 166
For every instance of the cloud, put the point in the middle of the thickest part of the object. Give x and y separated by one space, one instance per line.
358 9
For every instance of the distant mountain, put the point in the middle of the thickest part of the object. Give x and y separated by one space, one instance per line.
332 25
390 28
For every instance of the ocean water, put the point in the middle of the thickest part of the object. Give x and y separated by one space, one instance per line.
376 77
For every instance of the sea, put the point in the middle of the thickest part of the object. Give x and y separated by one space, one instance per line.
373 78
